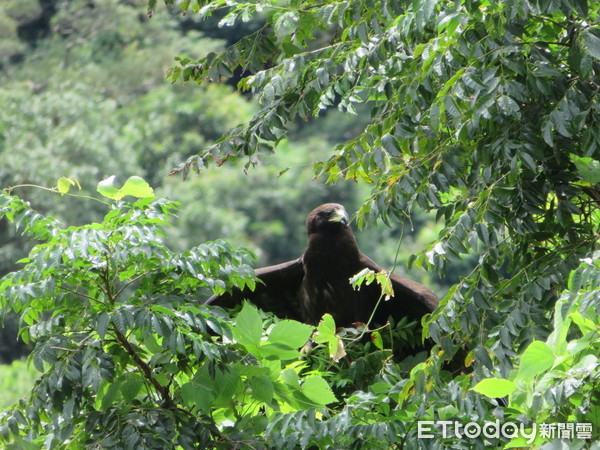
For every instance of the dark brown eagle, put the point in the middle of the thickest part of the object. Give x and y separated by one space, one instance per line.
319 281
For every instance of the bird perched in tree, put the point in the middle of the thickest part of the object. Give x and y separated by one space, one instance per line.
319 281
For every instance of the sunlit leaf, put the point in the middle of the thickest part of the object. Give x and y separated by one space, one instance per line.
291 333
262 388
248 325
494 387
107 189
377 340
317 390
537 358
131 387
137 187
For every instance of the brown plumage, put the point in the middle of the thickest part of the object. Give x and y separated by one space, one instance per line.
318 281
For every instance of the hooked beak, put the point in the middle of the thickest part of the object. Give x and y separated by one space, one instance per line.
340 215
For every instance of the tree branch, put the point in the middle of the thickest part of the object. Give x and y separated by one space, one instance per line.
145 368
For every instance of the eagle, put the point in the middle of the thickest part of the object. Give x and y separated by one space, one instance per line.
318 282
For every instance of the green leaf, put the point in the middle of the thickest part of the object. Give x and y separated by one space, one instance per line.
195 395
262 388
448 412
507 105
317 390
291 333
278 351
383 279
537 358
326 334
587 364
547 133
137 187
587 168
131 387
22 444
64 184
494 387
164 310
102 324
591 42
390 144
107 189
228 383
134 186
248 325
151 343
325 330
111 395
377 340
533 440
290 377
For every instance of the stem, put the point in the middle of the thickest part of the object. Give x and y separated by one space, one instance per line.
107 284
145 368
547 19
55 191
90 298
130 282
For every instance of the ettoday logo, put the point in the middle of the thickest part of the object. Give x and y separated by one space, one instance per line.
429 429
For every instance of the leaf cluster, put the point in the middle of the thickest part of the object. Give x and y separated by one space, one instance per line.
559 378
472 108
484 112
128 357
108 308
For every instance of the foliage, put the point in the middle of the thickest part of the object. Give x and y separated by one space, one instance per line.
129 359
484 112
13 15
264 210
87 100
559 378
106 306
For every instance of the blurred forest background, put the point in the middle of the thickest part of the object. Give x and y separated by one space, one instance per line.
83 95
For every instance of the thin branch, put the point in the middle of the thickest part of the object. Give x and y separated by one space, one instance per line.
55 191
130 282
546 19
145 368
107 284
89 297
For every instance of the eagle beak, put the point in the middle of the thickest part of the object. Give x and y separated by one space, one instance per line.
340 215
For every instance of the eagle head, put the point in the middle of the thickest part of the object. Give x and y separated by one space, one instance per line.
327 217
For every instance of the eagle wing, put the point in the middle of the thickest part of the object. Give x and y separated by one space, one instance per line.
277 291
411 299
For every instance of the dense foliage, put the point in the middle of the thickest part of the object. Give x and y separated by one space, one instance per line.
86 98
486 112
483 113
83 94
129 358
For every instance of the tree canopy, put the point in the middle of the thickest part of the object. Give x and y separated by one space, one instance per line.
485 112
482 113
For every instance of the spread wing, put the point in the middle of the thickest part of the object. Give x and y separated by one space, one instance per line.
410 299
277 292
